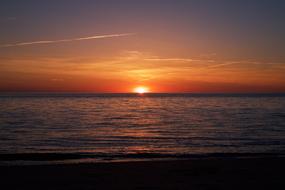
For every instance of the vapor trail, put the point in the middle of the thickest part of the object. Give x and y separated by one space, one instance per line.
65 40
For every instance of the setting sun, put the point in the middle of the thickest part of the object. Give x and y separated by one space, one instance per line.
141 90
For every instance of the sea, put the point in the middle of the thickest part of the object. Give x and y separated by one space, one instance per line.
48 128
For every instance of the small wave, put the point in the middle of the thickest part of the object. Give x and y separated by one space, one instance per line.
76 156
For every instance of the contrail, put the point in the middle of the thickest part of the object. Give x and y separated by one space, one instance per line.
221 65
65 40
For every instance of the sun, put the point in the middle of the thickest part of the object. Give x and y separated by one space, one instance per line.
141 90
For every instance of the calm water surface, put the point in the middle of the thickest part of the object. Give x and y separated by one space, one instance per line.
114 125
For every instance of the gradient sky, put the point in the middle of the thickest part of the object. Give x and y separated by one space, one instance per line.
166 45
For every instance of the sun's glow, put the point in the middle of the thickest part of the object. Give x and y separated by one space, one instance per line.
141 90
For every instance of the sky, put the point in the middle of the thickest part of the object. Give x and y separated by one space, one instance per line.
198 46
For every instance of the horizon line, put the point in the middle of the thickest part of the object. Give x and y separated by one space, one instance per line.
76 92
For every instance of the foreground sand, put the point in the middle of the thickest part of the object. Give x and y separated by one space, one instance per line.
215 173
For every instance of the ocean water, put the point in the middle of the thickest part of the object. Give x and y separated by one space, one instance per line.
129 126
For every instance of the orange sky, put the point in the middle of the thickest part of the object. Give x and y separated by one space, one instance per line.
161 46
129 69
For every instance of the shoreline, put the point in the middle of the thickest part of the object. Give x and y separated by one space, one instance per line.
207 173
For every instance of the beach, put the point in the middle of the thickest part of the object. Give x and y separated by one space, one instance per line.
203 173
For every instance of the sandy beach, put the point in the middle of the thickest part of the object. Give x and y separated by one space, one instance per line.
211 173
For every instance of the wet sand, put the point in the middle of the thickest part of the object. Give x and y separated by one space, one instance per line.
210 173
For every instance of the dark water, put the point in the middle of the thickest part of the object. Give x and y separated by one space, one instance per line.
120 126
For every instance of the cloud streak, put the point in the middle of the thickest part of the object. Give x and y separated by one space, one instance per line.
222 65
5 20
170 59
65 40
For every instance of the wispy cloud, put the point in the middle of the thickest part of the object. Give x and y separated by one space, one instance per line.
7 19
65 40
170 59
222 65
203 63
11 18
228 63
186 60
